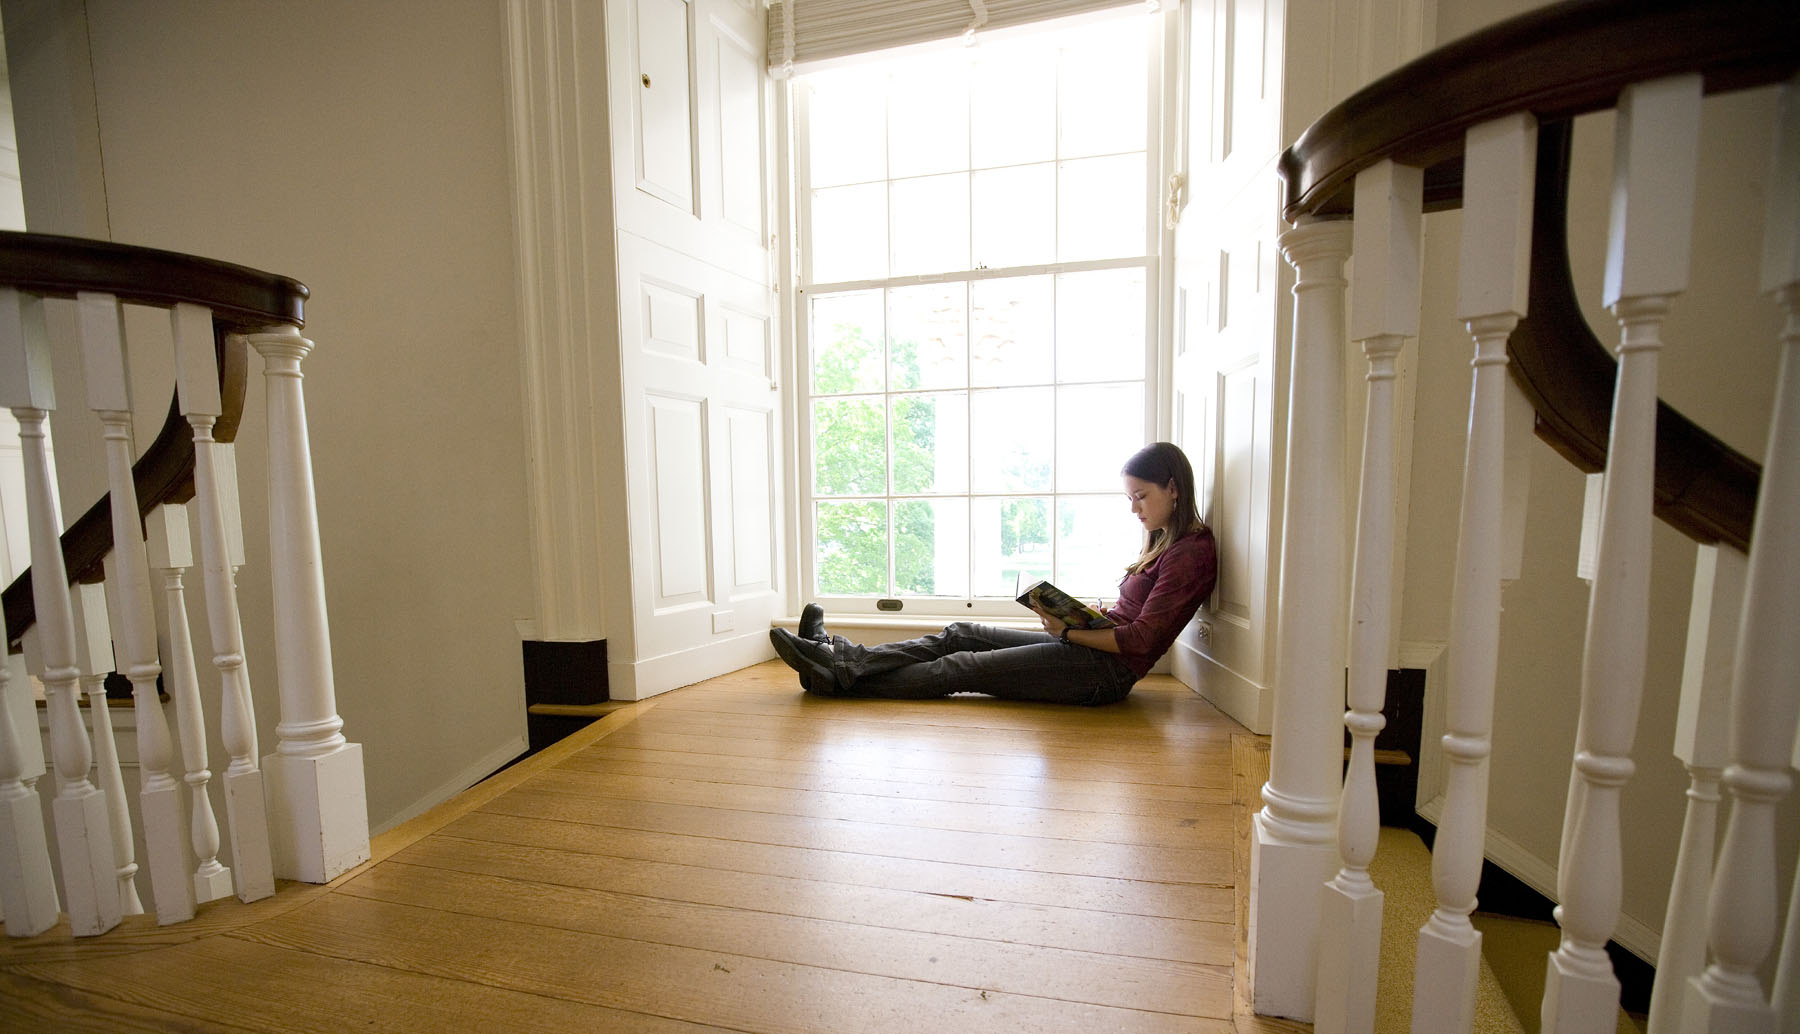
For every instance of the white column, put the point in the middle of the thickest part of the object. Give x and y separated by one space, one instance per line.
93 637
1654 163
27 886
1700 743
316 789
1292 848
221 543
1384 312
83 831
171 553
1498 176
134 617
1741 912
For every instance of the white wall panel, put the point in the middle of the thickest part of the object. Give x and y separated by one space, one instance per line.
740 131
664 100
678 463
749 436
672 321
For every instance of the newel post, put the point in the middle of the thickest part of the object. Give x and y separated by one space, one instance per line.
319 809
1293 847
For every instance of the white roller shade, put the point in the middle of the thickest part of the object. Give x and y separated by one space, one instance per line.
803 32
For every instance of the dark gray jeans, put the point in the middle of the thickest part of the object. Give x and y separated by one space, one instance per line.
969 658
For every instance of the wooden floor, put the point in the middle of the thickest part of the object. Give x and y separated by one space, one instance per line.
740 856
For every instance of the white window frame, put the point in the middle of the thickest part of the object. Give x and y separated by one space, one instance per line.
1160 128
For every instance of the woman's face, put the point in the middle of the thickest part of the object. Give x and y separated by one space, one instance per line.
1153 504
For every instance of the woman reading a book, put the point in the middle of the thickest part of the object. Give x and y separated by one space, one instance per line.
1161 591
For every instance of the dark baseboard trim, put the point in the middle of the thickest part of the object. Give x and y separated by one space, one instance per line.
565 673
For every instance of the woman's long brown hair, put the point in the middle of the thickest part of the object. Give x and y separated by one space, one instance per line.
1162 463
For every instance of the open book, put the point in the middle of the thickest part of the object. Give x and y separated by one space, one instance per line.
1074 613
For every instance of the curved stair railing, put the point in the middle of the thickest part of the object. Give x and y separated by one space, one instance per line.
86 607
1482 124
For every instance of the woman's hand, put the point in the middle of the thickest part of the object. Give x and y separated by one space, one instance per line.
1053 625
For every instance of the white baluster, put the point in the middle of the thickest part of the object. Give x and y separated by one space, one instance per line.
171 553
27 886
1384 312
316 777
1700 743
134 617
1292 850
93 638
1647 264
1499 160
1741 912
1785 998
221 543
83 832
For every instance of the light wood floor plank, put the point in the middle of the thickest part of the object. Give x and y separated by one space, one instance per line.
1126 982
765 718
1205 864
875 781
1204 823
739 856
230 981
677 982
1077 929
1206 902
907 754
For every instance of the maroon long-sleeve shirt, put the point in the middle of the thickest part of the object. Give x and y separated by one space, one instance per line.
1156 603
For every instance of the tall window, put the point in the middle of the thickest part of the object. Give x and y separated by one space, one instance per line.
978 274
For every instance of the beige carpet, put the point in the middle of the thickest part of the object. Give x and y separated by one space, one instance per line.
1402 869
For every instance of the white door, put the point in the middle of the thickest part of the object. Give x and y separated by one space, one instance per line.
1226 309
690 109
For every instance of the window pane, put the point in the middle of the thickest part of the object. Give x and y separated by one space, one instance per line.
1012 544
1098 427
1011 118
849 233
931 443
1016 429
849 447
845 112
1102 100
931 547
930 224
1013 216
1100 208
928 116
1100 325
928 336
846 342
1009 331
1096 536
850 548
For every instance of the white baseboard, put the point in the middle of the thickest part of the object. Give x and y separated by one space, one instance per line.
645 678
1249 704
475 773
1540 875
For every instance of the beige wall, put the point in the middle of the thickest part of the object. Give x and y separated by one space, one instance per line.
361 148
1718 366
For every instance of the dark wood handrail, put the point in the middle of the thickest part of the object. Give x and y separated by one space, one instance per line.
242 300
1558 62
1555 62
